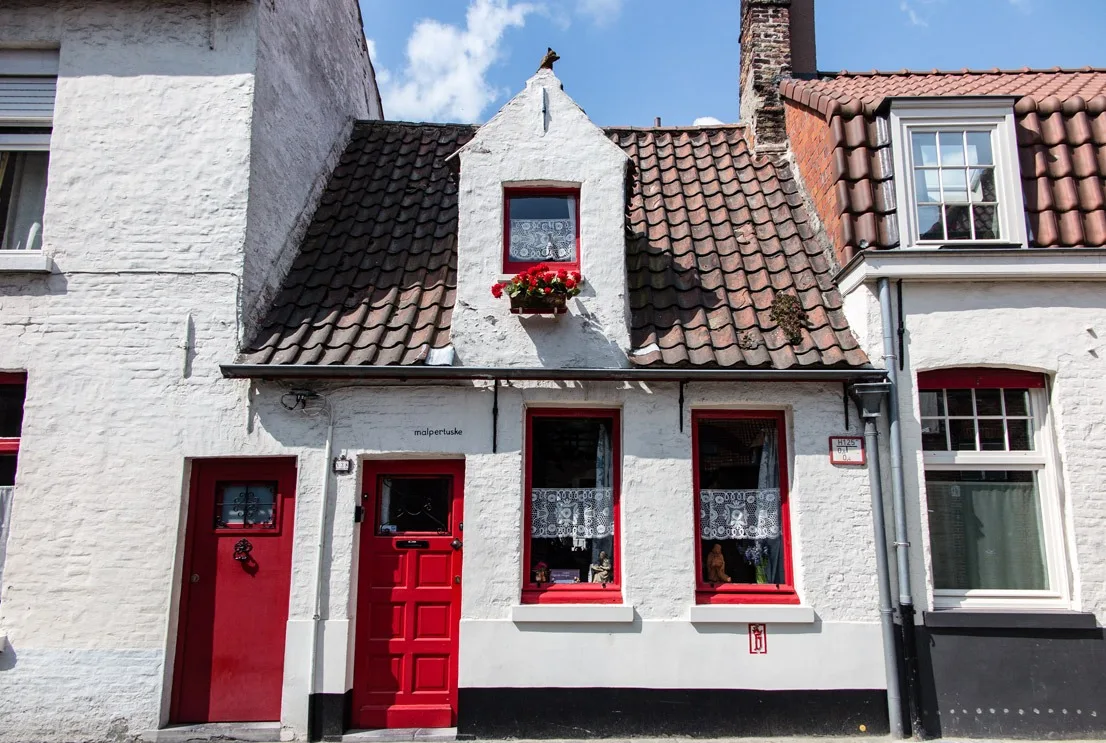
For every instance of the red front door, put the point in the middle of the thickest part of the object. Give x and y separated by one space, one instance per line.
234 601
409 595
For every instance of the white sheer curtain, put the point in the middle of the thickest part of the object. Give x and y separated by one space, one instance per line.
26 172
7 495
546 239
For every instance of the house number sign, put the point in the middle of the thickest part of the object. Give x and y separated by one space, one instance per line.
847 450
758 639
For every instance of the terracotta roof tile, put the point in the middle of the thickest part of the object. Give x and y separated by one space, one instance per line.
1061 129
715 236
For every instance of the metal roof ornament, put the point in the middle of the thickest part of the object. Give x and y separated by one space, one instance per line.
548 60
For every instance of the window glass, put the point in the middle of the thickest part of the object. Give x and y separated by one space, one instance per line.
245 505
22 199
413 504
7 470
542 228
986 530
572 526
985 419
954 185
740 517
11 409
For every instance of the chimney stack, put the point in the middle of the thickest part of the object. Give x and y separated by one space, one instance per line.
777 41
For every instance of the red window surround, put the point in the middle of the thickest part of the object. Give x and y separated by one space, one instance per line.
10 445
979 378
510 266
745 593
573 593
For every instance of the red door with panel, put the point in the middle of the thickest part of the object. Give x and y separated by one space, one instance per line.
409 595
234 598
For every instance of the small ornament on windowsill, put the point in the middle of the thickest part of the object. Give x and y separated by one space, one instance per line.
541 573
716 566
540 290
602 571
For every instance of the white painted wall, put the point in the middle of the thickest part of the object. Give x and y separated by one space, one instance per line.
519 146
147 221
1054 327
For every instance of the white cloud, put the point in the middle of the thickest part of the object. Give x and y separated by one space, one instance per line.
445 73
1025 6
911 14
706 121
601 12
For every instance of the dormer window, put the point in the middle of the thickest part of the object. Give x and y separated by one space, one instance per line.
957 174
541 226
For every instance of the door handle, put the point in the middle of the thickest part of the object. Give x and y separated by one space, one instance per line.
456 544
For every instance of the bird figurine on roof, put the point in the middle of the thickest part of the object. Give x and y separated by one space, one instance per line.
548 60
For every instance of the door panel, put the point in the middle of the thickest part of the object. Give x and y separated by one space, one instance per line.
234 600
409 595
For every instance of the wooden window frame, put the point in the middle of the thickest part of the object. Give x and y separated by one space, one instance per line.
10 444
514 267
745 593
573 593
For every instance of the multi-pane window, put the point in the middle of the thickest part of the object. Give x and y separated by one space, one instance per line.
741 508
541 226
572 481
955 186
992 514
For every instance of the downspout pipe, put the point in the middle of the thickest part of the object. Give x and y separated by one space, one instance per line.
320 548
898 504
869 398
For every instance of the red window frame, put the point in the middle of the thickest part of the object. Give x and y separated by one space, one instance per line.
979 377
745 593
574 593
10 445
510 266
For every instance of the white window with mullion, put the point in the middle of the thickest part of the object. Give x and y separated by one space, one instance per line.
992 498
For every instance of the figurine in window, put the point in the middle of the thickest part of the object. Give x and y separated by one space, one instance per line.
716 566
541 573
602 572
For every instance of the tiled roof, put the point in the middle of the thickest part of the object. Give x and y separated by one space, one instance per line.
716 234
1061 127
376 276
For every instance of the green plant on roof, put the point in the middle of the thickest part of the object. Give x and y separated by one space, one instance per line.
788 313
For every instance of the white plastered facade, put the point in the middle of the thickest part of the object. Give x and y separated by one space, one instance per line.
165 144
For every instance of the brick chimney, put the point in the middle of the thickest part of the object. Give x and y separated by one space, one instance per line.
777 41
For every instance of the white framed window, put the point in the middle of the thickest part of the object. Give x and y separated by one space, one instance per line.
992 501
28 81
956 173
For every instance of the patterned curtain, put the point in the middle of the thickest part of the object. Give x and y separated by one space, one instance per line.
739 514
544 239
581 513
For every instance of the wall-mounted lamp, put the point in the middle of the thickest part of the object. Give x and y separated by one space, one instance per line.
343 465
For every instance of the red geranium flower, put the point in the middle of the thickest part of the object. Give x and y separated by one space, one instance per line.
497 290
570 284
548 289
562 274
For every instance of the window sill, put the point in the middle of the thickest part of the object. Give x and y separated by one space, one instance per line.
574 595
1013 619
751 614
25 261
573 613
746 594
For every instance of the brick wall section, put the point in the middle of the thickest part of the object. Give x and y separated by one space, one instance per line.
765 59
812 146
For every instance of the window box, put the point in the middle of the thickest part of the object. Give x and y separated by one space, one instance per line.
571 552
742 529
554 303
541 225
993 508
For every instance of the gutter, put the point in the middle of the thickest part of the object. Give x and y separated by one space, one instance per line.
407 374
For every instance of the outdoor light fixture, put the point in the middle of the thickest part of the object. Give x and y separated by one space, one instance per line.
343 465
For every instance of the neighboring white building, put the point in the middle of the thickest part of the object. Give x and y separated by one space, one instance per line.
186 144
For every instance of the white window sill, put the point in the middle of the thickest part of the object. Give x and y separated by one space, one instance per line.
25 261
751 614
3 642
573 613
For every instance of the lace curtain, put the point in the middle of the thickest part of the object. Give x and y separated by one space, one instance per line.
580 513
739 514
552 240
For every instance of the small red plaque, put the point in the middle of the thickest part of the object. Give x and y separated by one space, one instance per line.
758 639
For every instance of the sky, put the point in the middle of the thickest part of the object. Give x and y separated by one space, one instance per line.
629 61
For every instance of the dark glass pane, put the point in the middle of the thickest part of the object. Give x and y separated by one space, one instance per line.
1017 402
543 207
988 402
11 409
933 435
979 148
542 228
985 531
962 434
7 470
925 148
932 403
413 504
929 223
1020 434
992 435
960 402
739 502
982 182
927 186
952 148
571 500
240 505
986 222
958 221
